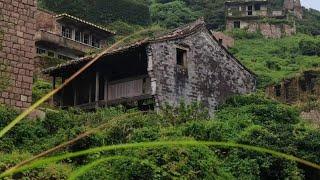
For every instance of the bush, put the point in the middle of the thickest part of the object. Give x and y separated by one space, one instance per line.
244 34
172 14
310 47
39 89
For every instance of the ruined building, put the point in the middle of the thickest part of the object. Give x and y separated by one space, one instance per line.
186 64
302 88
261 15
62 37
17 27
67 37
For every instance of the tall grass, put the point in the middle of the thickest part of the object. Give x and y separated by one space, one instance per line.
45 161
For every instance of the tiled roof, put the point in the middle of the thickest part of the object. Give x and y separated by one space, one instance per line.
85 22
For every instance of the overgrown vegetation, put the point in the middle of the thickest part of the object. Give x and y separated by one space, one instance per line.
251 120
276 59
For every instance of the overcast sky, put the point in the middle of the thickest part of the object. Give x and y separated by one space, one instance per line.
314 4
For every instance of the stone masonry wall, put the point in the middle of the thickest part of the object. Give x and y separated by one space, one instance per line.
212 75
46 20
17 53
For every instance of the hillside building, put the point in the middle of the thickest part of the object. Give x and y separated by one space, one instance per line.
67 37
187 64
260 15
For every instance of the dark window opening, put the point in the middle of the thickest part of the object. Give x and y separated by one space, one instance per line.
236 24
50 54
78 36
181 57
249 10
66 32
278 90
41 51
257 7
63 57
95 42
86 38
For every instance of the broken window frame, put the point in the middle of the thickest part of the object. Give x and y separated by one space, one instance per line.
257 7
41 51
95 42
66 32
249 10
78 36
182 57
51 54
236 24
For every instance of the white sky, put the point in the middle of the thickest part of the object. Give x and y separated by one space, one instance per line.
314 4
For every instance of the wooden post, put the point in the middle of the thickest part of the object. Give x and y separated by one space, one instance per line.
53 87
62 93
53 82
90 90
75 95
97 87
106 92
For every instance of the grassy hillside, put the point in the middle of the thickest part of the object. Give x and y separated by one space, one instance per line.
250 120
275 59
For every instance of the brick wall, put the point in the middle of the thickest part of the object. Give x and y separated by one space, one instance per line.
18 50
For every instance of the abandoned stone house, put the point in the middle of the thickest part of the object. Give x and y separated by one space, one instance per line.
260 15
186 64
302 88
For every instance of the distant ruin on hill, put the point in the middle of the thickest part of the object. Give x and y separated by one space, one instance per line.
263 16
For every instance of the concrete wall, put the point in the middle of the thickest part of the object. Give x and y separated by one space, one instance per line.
211 76
17 53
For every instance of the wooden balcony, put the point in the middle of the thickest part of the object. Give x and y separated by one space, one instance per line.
130 92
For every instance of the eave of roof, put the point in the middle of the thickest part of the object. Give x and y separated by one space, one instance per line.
65 15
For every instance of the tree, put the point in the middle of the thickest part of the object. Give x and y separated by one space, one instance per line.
172 14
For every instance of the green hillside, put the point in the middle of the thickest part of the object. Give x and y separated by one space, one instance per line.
275 59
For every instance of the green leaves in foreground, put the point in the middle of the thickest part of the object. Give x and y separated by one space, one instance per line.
45 161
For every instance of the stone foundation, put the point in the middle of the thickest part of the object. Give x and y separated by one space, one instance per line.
17 53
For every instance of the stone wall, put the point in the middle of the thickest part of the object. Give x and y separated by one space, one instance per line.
17 53
268 30
227 41
297 89
211 76
45 20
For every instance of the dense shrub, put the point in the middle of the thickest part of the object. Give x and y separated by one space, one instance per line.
250 119
172 14
244 34
102 11
310 47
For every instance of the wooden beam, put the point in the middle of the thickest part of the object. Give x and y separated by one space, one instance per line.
97 87
53 87
90 90
75 95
